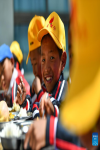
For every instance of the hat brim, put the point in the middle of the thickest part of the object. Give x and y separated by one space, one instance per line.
2 59
45 31
27 59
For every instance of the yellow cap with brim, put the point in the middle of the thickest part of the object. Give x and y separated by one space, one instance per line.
55 27
15 49
80 110
35 25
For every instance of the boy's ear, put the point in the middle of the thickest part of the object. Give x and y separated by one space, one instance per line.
63 59
12 61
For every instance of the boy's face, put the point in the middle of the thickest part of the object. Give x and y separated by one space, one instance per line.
51 63
6 70
35 58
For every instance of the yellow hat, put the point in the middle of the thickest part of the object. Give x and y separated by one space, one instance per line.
55 27
80 110
36 24
15 49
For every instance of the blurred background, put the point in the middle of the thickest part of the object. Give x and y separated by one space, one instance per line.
15 16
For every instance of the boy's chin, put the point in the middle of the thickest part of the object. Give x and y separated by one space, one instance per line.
49 90
5 88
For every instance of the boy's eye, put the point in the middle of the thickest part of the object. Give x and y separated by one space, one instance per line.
43 60
51 57
35 64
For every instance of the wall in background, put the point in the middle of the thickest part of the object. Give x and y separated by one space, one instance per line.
6 22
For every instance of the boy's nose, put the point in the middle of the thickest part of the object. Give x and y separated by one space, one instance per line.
47 67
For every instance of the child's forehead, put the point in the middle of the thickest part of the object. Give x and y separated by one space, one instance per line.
5 61
48 41
35 53
46 37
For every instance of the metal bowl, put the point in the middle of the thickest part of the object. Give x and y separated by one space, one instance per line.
11 143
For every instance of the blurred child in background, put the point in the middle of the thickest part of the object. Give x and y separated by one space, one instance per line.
35 25
17 55
10 77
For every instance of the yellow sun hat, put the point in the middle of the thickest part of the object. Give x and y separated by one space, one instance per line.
15 49
55 27
35 25
80 109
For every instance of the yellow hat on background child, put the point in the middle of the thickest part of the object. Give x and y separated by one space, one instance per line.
15 49
55 27
36 24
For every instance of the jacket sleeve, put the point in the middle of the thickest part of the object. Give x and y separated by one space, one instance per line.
27 103
35 110
39 95
57 135
56 106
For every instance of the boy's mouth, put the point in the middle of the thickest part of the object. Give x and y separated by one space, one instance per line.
48 79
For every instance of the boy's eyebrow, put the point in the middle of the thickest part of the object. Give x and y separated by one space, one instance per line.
34 59
51 51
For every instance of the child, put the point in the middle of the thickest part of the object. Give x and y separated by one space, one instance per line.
35 25
17 55
10 77
53 57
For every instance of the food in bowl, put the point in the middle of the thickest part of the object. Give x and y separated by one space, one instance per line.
15 107
11 116
11 130
23 112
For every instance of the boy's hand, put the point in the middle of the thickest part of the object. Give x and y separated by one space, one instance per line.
21 92
46 106
36 134
36 85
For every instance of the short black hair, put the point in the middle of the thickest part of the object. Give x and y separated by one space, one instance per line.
1 63
60 51
16 61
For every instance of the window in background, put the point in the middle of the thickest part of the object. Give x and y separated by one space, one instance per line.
60 6
29 6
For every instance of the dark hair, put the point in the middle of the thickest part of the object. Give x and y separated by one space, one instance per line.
1 63
60 51
16 61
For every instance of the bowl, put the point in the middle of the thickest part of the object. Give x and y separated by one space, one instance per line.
11 143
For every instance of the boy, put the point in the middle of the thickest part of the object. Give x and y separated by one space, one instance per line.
17 55
53 57
35 25
10 77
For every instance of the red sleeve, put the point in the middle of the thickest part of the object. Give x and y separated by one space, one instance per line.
57 135
39 95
